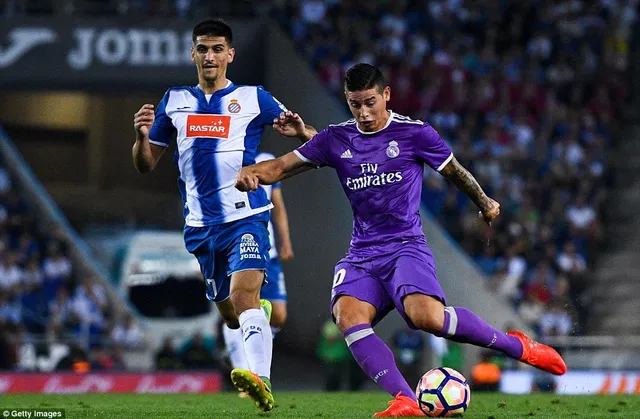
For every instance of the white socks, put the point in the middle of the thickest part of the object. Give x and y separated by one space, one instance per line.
235 347
257 340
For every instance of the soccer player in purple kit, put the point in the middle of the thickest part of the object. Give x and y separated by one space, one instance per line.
379 157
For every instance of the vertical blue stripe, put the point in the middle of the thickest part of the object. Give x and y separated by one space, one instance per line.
255 129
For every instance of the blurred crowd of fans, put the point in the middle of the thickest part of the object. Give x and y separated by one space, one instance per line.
43 300
529 95
184 9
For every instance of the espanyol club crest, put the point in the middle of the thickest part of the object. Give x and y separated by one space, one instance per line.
393 151
234 106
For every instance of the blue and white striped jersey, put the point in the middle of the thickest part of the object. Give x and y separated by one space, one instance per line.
216 136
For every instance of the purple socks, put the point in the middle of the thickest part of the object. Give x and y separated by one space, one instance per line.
376 360
461 325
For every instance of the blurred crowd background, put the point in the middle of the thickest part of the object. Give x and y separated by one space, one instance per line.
530 95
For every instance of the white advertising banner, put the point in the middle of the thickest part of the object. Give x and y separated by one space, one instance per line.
575 382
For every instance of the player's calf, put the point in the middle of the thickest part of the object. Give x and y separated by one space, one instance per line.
228 314
279 314
459 324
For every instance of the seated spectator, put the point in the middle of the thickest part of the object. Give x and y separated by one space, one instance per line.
167 358
10 312
57 270
11 276
531 310
556 319
128 335
197 357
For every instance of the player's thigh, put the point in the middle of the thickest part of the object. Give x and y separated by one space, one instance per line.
417 294
357 297
200 242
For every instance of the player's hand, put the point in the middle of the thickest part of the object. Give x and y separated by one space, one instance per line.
289 124
286 252
247 181
143 120
490 211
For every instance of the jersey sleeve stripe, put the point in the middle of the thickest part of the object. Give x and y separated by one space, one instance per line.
158 143
303 158
444 163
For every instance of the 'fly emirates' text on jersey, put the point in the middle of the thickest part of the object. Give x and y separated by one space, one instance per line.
216 135
381 173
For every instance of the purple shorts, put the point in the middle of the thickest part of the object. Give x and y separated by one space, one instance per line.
385 277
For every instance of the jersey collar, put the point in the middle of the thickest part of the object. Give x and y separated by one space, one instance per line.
375 132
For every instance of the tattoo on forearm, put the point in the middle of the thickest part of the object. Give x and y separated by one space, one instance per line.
465 182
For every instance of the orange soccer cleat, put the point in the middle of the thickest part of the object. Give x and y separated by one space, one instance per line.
540 355
401 406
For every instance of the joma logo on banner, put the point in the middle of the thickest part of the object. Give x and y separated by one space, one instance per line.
108 46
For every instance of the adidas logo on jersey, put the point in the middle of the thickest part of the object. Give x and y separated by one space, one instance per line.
346 155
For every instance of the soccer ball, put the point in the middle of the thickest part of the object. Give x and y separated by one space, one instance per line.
443 392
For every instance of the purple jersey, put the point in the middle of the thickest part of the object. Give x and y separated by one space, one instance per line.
381 173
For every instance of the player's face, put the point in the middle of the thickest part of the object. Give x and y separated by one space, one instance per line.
212 54
369 108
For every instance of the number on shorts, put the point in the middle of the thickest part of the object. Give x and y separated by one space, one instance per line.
339 277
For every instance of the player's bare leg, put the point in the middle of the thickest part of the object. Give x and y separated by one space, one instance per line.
228 314
353 318
461 325
258 340
279 314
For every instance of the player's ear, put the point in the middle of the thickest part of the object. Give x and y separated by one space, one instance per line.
232 54
386 93
193 55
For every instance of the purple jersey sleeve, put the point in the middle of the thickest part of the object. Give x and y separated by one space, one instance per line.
431 149
315 150
162 130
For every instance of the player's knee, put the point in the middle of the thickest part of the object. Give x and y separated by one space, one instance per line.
345 320
430 322
425 312
243 300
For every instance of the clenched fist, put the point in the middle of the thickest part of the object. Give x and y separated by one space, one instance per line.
143 120
490 210
247 181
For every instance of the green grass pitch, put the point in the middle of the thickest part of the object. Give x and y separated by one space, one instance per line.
317 405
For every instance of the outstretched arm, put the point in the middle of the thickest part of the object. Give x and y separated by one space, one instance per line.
465 182
270 171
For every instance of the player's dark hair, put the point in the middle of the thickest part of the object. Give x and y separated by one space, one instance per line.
364 77
213 27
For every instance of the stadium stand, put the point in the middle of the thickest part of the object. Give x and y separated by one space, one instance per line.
529 95
53 316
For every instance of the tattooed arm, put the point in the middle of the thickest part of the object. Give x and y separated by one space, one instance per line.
271 171
465 182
